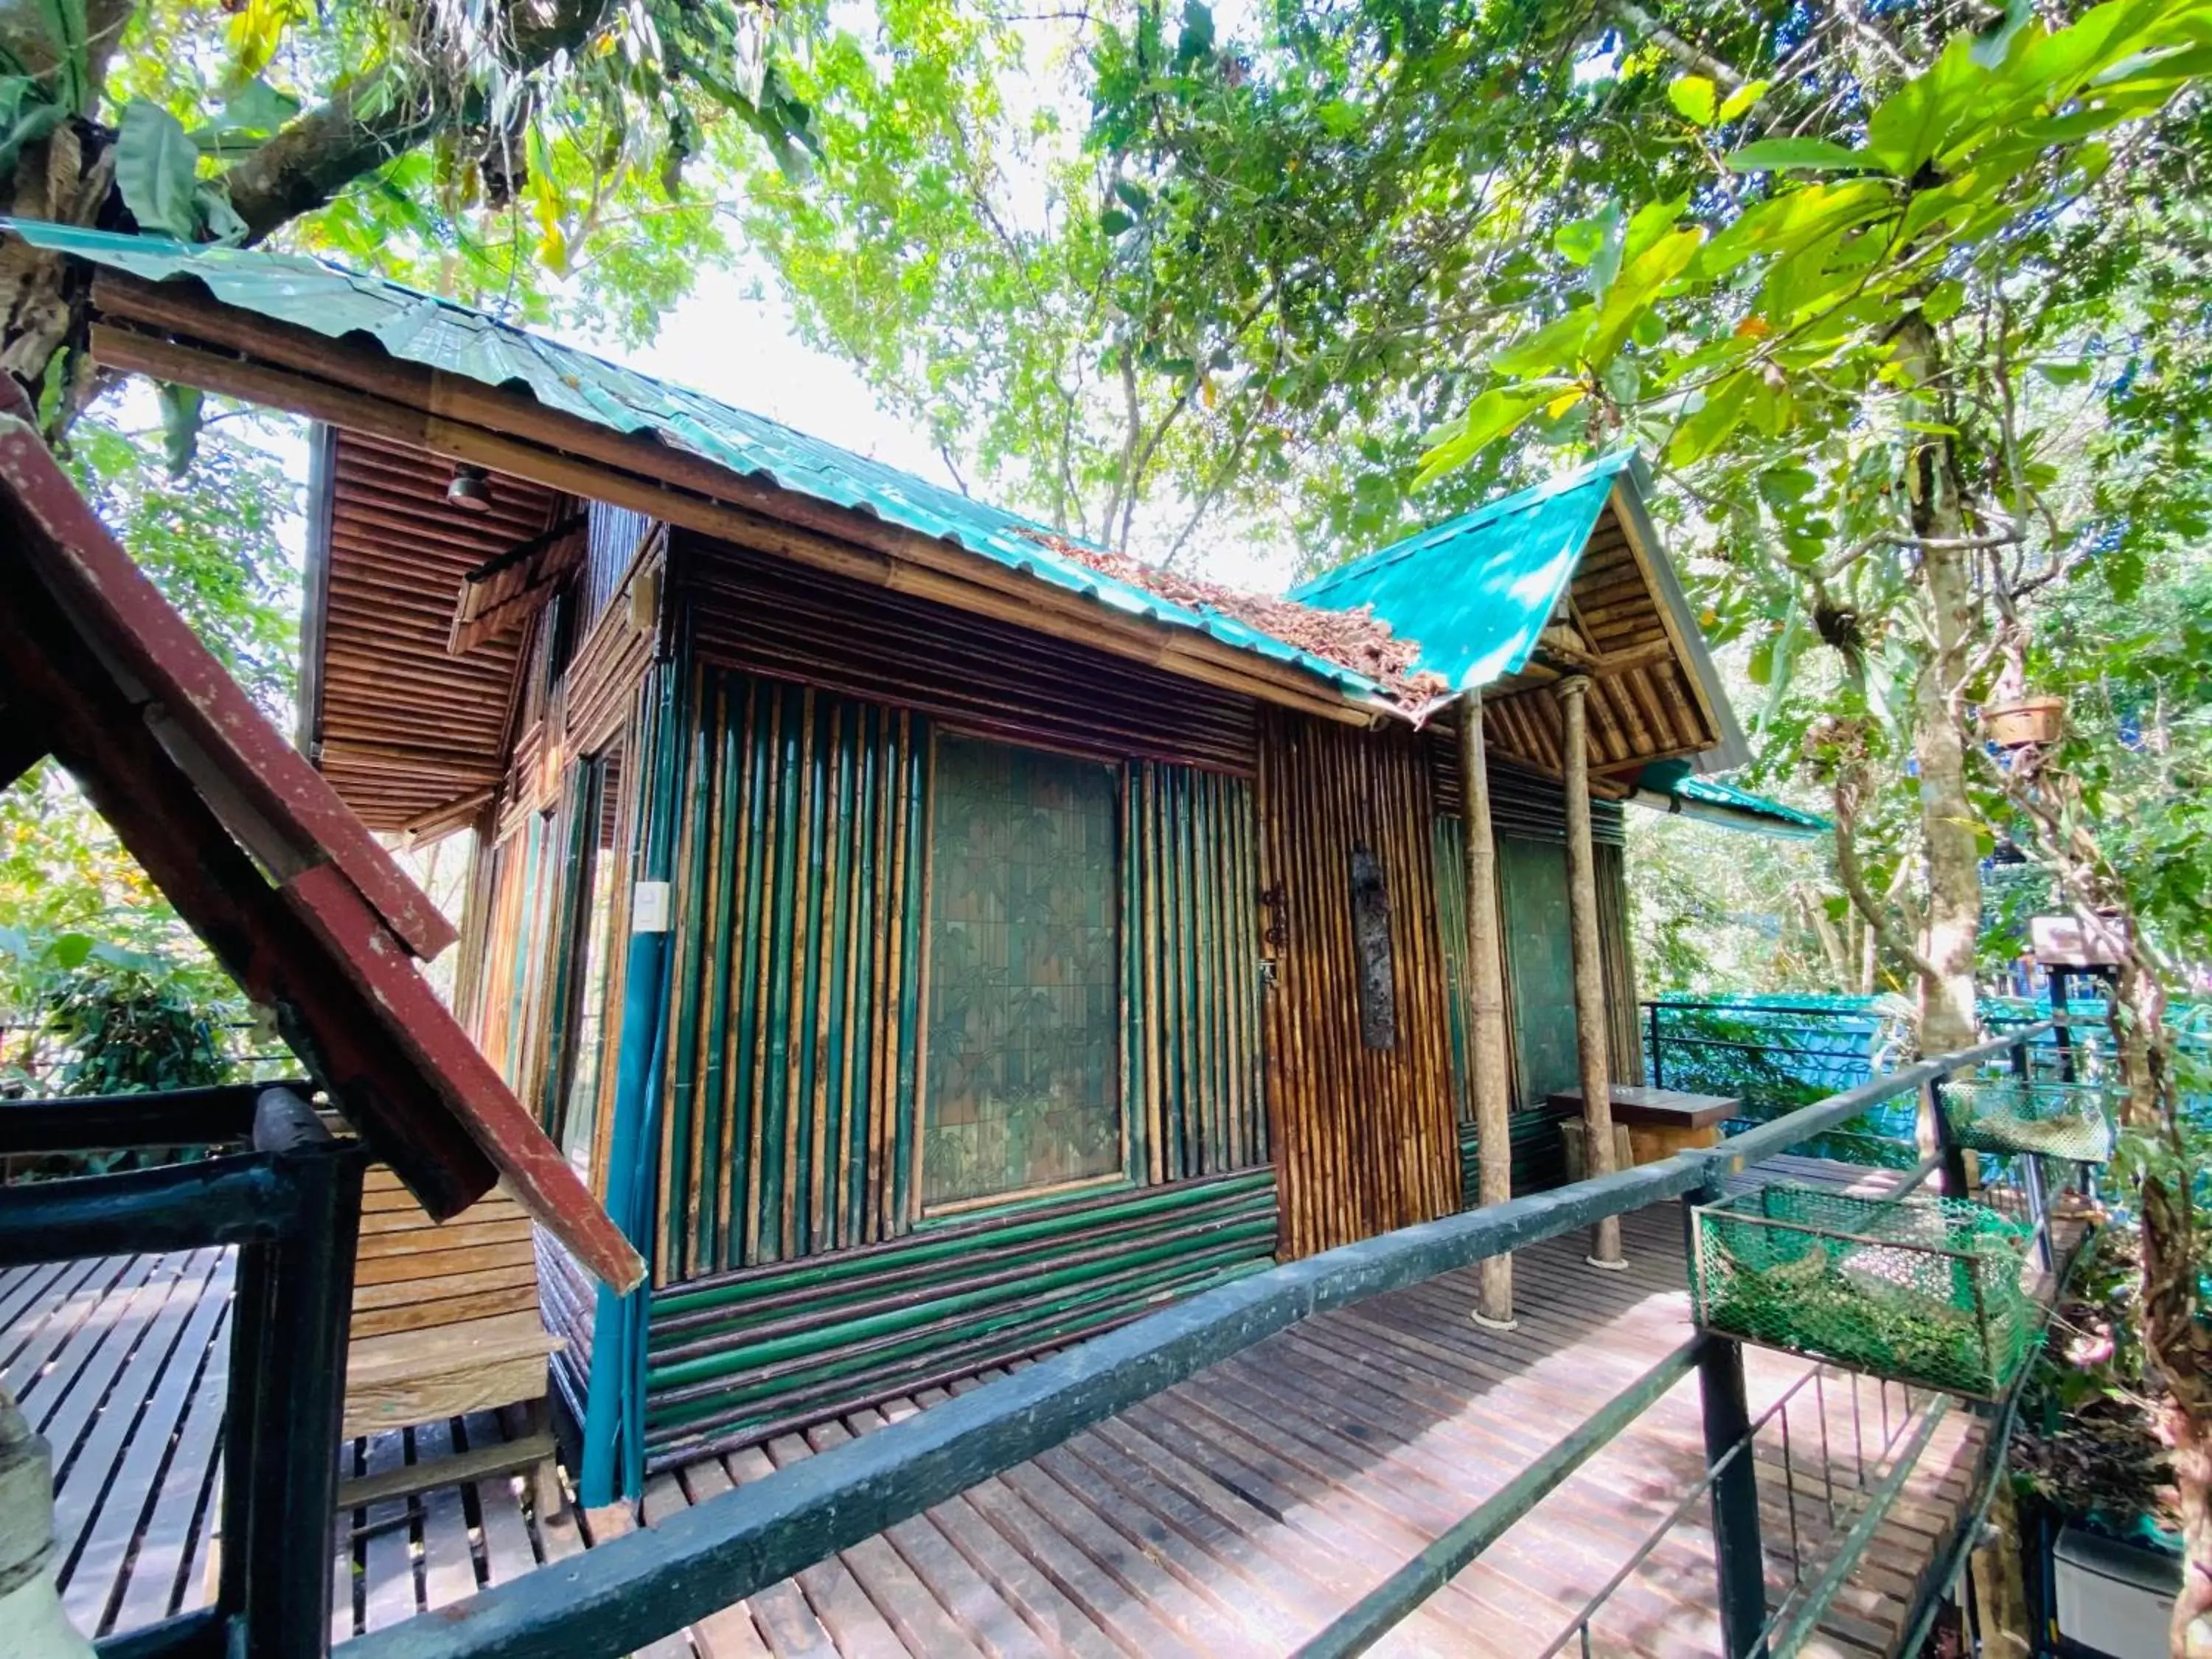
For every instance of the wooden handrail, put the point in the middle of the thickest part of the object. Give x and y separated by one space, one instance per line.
637 1587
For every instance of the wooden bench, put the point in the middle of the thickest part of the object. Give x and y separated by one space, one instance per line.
445 1322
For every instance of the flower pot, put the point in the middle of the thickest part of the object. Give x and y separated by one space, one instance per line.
2024 720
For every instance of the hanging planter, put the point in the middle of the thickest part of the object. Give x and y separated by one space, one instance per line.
2023 722
1923 1290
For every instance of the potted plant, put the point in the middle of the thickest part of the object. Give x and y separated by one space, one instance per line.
2024 721
2016 719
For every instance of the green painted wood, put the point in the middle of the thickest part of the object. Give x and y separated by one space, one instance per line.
755 1348
1449 841
1191 976
789 892
1532 880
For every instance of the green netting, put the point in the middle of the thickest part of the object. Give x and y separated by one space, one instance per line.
2056 1120
1926 1291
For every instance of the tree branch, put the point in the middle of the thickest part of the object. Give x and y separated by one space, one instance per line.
1690 57
369 121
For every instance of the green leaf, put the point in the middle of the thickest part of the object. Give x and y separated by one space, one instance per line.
251 116
63 22
1695 98
180 425
1639 284
1800 155
69 952
211 198
1578 242
1340 118
1647 224
154 168
1605 263
31 117
1740 101
1196 41
1943 300
1707 427
1491 417
1555 348
1133 195
1923 117
1113 221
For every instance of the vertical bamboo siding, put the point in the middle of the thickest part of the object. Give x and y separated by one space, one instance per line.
1191 981
790 1074
1363 1139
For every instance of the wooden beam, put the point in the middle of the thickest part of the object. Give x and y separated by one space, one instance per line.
1591 1043
1486 977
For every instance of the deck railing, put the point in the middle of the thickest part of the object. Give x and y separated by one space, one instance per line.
636 1589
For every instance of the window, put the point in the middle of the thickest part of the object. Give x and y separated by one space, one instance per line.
588 1063
1023 1086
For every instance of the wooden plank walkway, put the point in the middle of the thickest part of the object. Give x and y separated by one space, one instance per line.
1235 1514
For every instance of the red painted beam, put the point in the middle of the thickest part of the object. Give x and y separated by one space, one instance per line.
292 818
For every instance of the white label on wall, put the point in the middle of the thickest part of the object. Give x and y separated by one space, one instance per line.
648 908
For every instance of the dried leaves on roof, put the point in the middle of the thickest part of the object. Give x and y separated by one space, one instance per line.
1357 639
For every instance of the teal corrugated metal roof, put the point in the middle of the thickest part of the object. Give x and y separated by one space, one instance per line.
1773 818
440 334
1477 591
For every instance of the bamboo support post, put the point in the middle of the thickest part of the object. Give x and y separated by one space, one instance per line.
1591 1041
1485 980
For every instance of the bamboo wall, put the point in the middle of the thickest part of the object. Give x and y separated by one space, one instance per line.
757 611
735 1359
1363 1137
794 1016
1192 994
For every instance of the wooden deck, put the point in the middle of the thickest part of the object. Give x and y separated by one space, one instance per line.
1234 1514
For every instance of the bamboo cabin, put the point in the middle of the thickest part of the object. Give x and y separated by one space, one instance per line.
937 941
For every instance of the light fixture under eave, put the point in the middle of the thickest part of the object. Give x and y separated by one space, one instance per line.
469 490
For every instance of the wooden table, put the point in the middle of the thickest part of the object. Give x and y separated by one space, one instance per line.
1660 1121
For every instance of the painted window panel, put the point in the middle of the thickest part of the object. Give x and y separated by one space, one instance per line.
1023 1090
1533 878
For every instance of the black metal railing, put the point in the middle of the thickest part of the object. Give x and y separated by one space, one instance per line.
287 1195
636 1589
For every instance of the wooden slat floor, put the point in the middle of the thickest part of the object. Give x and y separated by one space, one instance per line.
1234 1514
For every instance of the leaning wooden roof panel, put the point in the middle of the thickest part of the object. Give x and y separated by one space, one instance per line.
91 631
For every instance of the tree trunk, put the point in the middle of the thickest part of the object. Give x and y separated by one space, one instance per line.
1947 1019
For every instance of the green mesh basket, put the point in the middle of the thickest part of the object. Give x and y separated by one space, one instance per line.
2006 1116
1925 1290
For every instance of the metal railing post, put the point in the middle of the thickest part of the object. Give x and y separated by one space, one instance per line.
1658 1065
294 1297
1739 1554
2062 999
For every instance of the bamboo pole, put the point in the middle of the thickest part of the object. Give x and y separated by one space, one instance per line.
1485 980
1588 960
